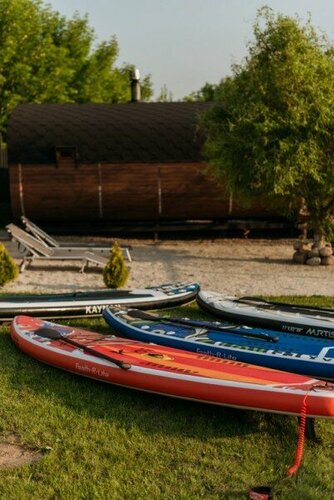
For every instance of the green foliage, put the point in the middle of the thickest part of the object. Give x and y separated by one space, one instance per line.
272 130
115 273
46 58
165 95
205 94
8 269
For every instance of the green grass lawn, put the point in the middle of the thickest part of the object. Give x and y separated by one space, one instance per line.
106 442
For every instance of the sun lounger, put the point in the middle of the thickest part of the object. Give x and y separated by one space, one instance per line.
48 241
33 249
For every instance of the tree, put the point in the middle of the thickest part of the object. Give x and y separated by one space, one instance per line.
115 273
165 94
272 129
8 269
206 93
45 57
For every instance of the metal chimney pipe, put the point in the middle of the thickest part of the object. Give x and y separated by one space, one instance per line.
135 86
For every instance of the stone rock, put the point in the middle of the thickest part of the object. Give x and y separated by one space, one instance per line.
313 253
299 257
301 246
313 261
327 261
326 251
297 245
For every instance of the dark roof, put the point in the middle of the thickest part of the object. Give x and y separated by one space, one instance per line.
131 132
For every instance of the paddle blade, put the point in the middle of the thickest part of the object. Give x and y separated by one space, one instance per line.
48 333
137 313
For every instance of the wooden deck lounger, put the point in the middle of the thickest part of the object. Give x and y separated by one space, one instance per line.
48 241
34 249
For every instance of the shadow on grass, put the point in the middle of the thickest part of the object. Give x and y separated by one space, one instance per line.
152 414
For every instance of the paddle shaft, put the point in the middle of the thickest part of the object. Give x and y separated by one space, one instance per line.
187 322
56 335
268 304
99 354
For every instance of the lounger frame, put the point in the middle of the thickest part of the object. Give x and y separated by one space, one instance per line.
49 241
33 249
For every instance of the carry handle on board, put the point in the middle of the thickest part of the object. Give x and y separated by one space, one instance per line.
52 334
136 313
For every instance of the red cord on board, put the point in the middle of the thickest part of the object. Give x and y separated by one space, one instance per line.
301 438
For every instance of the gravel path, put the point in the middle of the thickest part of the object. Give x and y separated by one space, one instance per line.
231 266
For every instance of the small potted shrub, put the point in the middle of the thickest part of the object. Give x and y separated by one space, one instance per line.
115 273
8 269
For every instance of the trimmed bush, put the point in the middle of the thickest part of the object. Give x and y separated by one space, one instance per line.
115 273
8 269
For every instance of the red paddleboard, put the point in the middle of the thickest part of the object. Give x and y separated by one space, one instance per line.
171 372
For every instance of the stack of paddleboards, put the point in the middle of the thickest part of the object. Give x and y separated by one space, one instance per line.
91 303
209 361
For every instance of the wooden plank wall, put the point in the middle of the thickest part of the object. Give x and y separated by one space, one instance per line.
120 192
188 193
51 192
130 192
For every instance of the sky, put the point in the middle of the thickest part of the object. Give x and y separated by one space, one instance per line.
183 44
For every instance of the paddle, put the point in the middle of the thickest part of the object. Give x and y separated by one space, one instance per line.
283 305
136 313
51 334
